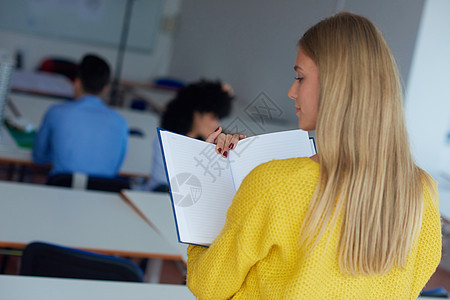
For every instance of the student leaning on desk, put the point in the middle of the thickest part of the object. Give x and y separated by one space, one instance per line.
358 220
195 111
85 135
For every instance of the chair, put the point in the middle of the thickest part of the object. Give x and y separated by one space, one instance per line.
43 259
61 66
82 181
138 104
168 83
439 292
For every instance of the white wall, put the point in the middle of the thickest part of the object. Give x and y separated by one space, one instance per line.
398 21
252 44
136 66
427 106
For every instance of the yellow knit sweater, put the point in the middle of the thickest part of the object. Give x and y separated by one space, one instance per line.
255 255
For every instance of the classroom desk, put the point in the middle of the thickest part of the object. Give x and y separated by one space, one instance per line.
156 98
16 287
44 83
139 155
156 209
137 161
90 220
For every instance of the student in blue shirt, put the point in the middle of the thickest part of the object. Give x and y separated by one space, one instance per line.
84 135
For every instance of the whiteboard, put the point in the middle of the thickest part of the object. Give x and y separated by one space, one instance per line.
86 21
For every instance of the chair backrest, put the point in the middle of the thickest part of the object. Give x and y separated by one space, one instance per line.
61 66
115 184
43 259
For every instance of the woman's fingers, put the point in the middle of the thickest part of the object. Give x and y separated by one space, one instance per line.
213 136
226 146
224 142
233 141
221 143
228 142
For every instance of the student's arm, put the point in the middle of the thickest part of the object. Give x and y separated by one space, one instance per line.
125 136
42 151
219 271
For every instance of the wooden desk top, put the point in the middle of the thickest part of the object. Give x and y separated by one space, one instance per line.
45 83
17 287
90 220
156 209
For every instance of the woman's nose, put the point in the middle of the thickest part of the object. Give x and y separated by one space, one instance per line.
292 93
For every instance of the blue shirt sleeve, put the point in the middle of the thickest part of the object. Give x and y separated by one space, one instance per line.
125 136
42 150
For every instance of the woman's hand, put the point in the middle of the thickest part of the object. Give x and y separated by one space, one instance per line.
224 142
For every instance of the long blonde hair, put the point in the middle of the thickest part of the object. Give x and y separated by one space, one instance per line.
367 173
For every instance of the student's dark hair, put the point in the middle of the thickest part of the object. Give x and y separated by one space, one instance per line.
203 97
94 73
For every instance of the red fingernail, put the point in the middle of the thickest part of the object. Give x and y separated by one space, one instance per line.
219 150
225 154
231 146
217 129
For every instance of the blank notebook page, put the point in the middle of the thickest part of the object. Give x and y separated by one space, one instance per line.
200 207
256 150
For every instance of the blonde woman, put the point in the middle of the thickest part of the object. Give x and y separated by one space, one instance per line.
359 220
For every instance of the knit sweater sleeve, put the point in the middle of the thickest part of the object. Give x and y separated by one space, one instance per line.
430 244
219 271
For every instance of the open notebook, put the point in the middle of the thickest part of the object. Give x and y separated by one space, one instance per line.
203 183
